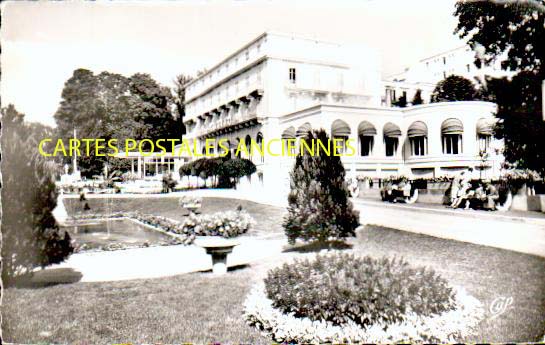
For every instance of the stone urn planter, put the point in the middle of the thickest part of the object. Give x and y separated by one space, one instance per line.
219 248
191 204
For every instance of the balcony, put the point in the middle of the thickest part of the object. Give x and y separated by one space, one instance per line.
229 117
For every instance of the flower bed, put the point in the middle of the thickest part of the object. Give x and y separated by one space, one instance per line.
227 224
447 327
344 298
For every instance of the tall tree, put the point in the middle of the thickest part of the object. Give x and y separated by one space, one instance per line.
112 106
493 28
30 235
154 109
454 88
319 208
179 95
513 31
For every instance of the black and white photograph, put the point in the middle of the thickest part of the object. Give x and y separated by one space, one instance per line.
272 172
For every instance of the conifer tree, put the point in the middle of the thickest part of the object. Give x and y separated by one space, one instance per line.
30 235
319 208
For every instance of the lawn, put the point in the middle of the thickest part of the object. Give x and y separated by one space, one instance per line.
200 308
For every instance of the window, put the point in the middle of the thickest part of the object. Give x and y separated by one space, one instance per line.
391 146
341 144
292 75
366 145
444 74
468 68
452 144
247 54
484 142
418 146
444 60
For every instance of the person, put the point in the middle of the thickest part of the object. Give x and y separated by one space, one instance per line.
492 196
464 193
455 187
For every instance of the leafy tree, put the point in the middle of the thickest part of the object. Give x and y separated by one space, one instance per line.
493 28
454 88
153 109
512 31
179 95
30 235
417 99
521 124
112 106
319 207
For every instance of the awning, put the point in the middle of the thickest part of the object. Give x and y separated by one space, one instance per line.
303 130
452 126
339 128
391 130
417 129
366 128
485 127
289 133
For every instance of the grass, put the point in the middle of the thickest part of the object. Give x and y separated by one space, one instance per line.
187 308
200 308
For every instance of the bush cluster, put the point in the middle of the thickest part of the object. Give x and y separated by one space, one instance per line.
344 288
223 170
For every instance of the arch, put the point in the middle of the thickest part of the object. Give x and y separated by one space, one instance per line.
339 128
259 138
417 129
452 126
391 130
303 130
289 133
418 138
451 136
259 142
366 128
485 127
238 153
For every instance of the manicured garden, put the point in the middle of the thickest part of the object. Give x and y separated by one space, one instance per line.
367 284
176 309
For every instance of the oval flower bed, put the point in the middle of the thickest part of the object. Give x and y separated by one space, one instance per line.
342 298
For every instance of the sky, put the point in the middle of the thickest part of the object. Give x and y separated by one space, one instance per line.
44 42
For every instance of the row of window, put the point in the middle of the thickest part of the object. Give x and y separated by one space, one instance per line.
451 144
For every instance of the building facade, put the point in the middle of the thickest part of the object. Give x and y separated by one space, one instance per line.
425 74
280 86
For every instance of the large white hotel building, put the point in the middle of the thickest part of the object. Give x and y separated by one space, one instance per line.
280 86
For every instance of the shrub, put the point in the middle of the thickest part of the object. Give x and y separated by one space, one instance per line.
343 288
318 200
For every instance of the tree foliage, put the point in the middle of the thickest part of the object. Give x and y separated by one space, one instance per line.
319 207
112 106
179 95
454 88
493 28
30 235
514 32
